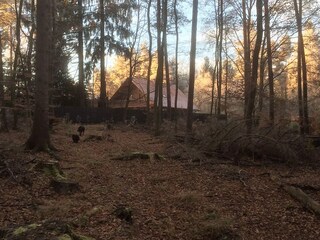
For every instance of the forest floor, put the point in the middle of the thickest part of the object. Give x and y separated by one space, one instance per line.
168 198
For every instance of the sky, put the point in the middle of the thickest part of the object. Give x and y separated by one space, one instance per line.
203 49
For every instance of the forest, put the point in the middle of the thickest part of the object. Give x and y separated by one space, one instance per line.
159 119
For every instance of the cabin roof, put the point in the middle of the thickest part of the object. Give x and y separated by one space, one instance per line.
140 85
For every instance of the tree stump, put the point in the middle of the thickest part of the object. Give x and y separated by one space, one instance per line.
64 186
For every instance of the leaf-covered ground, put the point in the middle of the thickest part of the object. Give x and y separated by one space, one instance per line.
168 198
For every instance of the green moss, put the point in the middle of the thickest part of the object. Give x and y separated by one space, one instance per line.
212 215
64 237
21 230
54 171
76 236
50 168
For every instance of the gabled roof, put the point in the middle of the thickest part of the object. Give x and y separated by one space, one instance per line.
140 84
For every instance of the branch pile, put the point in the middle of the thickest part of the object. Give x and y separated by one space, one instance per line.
278 143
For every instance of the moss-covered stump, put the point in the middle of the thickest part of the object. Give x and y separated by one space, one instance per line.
51 168
44 230
59 182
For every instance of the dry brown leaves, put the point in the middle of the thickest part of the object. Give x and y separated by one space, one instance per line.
169 199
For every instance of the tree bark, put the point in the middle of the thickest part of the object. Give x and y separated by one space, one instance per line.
40 138
192 66
103 93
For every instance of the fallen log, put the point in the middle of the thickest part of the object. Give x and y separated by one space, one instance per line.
138 155
93 138
303 198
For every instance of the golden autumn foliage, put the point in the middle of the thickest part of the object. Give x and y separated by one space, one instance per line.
312 48
203 86
7 14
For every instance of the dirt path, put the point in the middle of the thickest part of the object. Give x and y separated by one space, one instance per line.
169 199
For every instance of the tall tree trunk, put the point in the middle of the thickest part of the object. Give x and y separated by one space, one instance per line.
252 84
28 75
247 58
150 57
52 56
159 79
82 93
17 56
40 138
176 65
168 85
18 9
132 63
103 93
3 119
261 79
220 40
213 80
11 51
192 65
215 73
165 51
226 76
269 55
302 73
305 88
226 88
299 83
